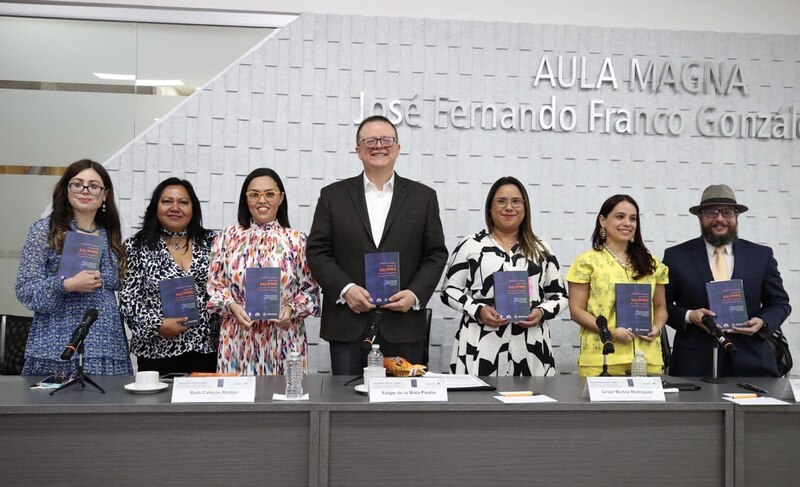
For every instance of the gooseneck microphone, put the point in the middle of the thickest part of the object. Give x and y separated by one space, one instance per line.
372 332
711 326
79 335
605 335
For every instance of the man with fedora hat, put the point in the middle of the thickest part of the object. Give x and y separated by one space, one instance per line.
719 254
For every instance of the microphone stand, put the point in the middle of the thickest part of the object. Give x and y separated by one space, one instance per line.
714 379
605 373
79 377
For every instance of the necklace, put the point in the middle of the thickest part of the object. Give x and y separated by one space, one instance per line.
625 264
85 230
176 237
506 245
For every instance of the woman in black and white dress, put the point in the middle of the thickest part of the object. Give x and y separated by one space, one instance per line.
486 343
172 243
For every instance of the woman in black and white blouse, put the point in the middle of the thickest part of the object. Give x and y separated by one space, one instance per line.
486 343
172 243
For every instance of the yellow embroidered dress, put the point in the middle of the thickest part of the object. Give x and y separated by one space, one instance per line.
601 271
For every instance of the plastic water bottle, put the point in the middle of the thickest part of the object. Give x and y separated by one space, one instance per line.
375 357
294 376
639 365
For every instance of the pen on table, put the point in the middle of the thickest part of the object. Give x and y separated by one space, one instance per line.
518 393
751 387
743 396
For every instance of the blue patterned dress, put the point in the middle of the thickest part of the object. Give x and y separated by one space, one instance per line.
57 312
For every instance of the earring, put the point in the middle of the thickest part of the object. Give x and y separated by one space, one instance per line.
633 239
103 208
603 234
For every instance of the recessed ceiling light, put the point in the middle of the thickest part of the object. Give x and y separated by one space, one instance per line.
117 77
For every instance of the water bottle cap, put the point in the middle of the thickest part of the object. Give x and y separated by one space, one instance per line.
375 346
639 353
294 354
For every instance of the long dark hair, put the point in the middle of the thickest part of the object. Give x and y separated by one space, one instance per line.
244 210
62 214
532 247
150 233
642 260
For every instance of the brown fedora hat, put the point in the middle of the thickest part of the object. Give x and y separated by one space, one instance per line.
717 194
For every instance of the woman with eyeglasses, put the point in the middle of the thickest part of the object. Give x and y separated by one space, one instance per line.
83 202
487 343
618 256
172 243
262 238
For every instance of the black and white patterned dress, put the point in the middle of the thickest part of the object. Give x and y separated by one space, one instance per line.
469 285
140 302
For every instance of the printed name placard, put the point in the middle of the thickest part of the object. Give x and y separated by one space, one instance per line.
214 389
625 389
407 389
792 390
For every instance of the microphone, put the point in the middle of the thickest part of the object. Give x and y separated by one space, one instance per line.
711 326
372 332
605 335
79 335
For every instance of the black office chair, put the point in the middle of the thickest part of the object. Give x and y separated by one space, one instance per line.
13 338
428 315
666 350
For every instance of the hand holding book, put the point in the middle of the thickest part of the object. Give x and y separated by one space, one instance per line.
172 327
84 281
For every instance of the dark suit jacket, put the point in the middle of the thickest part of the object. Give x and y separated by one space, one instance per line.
341 234
689 271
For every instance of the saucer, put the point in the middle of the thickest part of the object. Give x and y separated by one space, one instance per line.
146 390
362 388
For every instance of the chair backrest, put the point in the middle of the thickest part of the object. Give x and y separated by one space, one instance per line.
666 349
425 355
13 339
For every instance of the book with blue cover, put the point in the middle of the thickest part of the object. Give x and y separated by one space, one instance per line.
179 299
634 307
263 293
511 295
726 300
81 252
382 271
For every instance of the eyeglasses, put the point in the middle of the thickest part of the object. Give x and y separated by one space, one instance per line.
268 195
503 202
372 142
711 213
78 188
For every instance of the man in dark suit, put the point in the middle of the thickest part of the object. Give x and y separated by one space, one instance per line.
376 211
718 255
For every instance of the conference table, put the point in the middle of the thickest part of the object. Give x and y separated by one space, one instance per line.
338 438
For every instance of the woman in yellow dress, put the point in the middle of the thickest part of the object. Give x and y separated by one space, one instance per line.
618 255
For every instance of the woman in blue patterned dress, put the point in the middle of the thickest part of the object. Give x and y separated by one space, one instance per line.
171 244
486 343
83 202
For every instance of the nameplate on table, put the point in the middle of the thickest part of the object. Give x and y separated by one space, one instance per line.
407 389
625 389
214 389
792 390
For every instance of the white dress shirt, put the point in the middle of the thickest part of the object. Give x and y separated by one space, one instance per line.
378 203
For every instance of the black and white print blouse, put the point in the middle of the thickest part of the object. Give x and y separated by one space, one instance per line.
469 285
140 302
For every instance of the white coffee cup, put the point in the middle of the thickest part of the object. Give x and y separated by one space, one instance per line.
373 373
147 379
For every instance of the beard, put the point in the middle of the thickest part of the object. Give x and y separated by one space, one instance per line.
716 240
